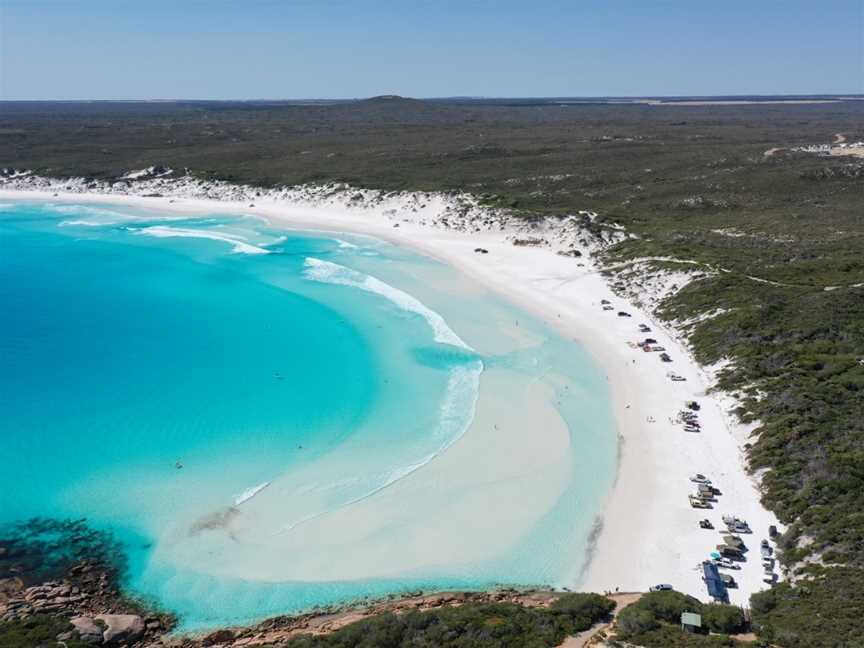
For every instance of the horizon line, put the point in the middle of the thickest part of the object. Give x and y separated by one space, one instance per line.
838 95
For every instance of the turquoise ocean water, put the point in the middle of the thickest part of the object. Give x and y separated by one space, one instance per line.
134 342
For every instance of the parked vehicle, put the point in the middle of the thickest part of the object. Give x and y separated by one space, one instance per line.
725 563
730 552
699 478
705 524
665 357
608 308
766 551
693 405
663 587
644 329
605 301
736 525
772 532
698 502
624 314
728 580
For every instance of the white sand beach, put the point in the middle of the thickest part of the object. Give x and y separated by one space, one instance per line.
649 532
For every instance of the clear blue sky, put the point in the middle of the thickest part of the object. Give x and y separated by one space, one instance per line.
241 49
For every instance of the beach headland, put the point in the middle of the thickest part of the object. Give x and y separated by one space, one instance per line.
648 533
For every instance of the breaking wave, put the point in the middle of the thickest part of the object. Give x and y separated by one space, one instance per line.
333 273
249 493
457 407
99 216
238 243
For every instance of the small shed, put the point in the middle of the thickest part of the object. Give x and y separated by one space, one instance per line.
691 622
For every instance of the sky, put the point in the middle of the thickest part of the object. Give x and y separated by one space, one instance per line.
291 49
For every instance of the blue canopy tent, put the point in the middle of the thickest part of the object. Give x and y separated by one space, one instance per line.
715 584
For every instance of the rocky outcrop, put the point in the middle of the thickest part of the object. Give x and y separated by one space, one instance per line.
98 612
88 630
48 598
222 636
121 627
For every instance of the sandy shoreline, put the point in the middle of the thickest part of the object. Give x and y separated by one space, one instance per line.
649 533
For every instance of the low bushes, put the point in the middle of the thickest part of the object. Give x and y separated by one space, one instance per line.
472 625
654 621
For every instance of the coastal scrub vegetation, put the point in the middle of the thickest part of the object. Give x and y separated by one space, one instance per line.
821 612
472 625
777 237
655 619
36 631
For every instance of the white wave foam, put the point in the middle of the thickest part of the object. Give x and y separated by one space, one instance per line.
82 222
249 493
345 244
97 216
239 244
460 397
333 273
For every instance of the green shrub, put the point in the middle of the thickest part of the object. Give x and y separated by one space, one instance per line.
35 632
668 606
583 610
718 617
670 636
634 621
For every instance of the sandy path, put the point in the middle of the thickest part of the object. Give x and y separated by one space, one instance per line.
583 638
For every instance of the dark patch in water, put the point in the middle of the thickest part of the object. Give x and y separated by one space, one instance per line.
219 520
42 549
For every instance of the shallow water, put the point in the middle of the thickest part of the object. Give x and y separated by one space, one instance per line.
163 374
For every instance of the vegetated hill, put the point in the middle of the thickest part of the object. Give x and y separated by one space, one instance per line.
391 100
390 109
693 182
